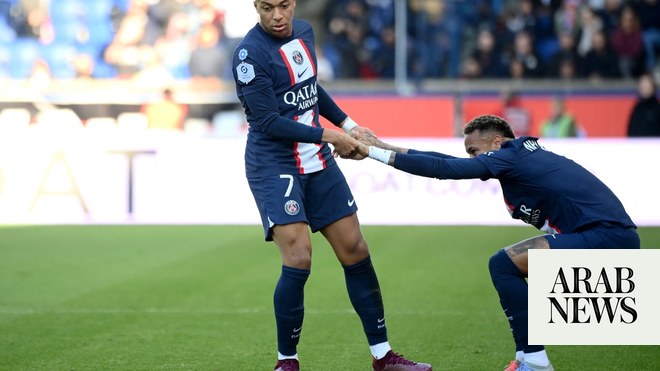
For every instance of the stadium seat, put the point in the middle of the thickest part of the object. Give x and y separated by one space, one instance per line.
547 47
7 33
100 33
23 53
59 57
98 10
5 55
62 11
59 119
71 31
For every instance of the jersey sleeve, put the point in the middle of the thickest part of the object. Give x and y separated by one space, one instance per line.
429 153
499 163
329 109
441 168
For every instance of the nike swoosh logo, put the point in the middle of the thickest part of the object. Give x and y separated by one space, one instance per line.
381 320
303 72
297 329
351 202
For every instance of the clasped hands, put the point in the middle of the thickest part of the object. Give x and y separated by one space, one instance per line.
355 144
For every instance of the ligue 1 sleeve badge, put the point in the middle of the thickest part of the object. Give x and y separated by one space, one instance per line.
244 71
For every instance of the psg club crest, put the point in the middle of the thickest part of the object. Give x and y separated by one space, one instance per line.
297 57
291 207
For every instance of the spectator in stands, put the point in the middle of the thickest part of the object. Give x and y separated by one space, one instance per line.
568 69
429 39
470 69
644 118
590 23
610 15
601 62
488 57
30 19
209 58
383 56
627 43
518 117
347 29
83 64
567 18
523 52
175 46
152 72
40 77
124 51
520 17
560 124
165 113
516 70
566 52
649 17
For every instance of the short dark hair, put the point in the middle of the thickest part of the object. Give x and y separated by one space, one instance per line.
489 123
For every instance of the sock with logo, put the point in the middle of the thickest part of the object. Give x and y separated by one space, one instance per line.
289 309
511 287
364 292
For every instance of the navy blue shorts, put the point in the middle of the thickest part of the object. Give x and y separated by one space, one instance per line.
596 238
317 199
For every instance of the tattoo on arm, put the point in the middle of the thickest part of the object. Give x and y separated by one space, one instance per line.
371 140
521 247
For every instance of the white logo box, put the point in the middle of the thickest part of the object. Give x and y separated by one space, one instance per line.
616 300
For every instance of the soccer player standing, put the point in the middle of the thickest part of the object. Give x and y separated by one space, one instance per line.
541 188
295 180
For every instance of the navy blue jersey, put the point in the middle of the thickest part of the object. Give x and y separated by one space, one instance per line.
541 188
276 84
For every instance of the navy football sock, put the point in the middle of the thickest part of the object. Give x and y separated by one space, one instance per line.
289 308
511 286
364 292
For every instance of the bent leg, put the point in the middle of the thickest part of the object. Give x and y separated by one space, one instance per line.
508 269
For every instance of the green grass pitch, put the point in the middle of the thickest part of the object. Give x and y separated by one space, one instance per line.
200 298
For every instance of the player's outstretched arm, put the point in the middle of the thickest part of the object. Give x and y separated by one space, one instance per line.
372 140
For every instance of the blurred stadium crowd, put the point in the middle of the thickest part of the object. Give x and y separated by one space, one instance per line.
165 40
497 38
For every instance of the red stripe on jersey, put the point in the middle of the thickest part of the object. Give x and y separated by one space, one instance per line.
309 56
509 207
288 67
296 155
301 170
316 124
